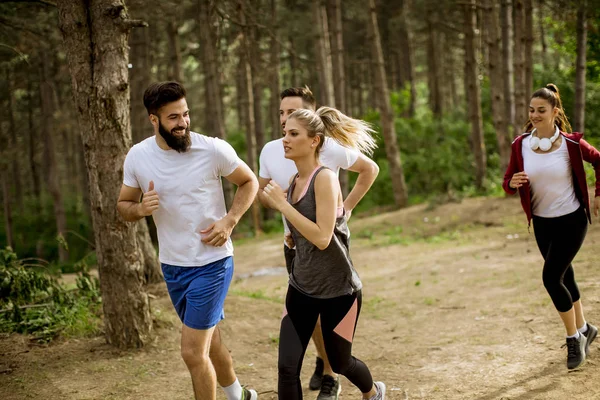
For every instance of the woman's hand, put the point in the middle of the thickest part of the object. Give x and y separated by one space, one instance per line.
275 195
518 180
289 241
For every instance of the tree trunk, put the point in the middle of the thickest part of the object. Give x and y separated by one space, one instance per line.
14 145
248 106
387 115
51 168
473 92
494 42
405 60
139 76
542 34
579 111
175 73
257 87
8 224
275 82
435 95
338 70
152 269
293 61
95 40
507 63
214 117
323 52
33 168
528 53
519 61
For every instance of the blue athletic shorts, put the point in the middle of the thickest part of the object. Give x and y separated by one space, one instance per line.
198 293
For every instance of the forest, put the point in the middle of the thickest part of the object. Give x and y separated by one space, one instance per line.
446 84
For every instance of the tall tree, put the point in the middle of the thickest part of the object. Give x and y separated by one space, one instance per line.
507 65
580 68
174 68
247 99
14 143
433 65
494 45
528 10
519 64
95 41
387 116
48 103
405 58
323 51
473 91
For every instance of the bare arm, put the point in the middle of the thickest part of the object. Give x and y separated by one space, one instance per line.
264 199
367 171
129 205
218 232
327 192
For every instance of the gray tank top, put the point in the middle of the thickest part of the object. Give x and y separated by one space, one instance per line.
318 273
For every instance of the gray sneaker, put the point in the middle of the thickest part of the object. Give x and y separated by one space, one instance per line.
380 386
575 351
590 336
330 388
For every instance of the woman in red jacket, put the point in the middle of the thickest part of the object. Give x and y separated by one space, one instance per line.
546 168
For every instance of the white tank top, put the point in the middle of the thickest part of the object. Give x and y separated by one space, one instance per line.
551 181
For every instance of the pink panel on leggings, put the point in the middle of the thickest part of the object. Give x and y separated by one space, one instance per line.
284 312
346 326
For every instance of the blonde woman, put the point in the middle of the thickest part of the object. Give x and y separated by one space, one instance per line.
323 281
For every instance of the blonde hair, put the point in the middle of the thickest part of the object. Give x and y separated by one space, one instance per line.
348 132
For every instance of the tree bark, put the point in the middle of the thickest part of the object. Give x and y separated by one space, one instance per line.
580 69
214 117
248 106
152 269
435 95
519 61
14 144
494 42
473 92
175 72
33 168
139 76
48 105
8 224
323 52
405 60
528 52
507 65
542 34
95 40
387 115
275 84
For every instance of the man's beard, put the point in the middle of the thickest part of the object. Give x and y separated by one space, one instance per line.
181 144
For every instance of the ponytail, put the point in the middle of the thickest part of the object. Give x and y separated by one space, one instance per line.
347 131
551 95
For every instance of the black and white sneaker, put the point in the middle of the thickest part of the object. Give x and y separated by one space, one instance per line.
590 336
575 351
380 391
249 394
330 388
317 376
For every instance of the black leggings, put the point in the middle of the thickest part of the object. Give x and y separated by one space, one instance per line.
559 239
338 321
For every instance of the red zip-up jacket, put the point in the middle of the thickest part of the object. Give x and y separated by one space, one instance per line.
579 150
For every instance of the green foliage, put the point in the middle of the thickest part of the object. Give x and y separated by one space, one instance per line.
35 235
33 302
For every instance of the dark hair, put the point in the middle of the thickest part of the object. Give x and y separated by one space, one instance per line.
551 95
160 93
308 99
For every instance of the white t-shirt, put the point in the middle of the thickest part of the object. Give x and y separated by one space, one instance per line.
551 181
190 195
274 165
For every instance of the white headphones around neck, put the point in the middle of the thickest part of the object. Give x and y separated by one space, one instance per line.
543 144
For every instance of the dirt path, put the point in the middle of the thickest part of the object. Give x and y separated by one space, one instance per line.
454 308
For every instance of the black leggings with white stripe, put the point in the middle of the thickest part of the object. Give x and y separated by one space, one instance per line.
559 239
338 322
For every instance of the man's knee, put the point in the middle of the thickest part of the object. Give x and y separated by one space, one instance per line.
194 356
